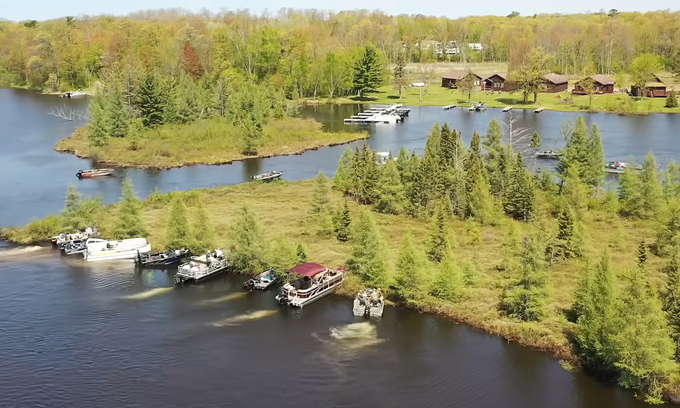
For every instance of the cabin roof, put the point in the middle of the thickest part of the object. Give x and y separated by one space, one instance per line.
655 85
501 75
556 78
307 269
458 74
602 79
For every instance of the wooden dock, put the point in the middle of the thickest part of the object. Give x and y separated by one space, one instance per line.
447 107
539 110
507 109
380 114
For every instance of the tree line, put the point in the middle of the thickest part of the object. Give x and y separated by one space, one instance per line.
311 53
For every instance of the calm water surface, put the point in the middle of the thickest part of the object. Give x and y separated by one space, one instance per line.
75 334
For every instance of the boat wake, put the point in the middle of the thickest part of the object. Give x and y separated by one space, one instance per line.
356 335
10 252
148 294
246 317
227 298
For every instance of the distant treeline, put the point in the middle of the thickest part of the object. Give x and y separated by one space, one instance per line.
311 53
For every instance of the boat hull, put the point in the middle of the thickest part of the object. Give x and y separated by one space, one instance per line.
300 303
117 255
179 279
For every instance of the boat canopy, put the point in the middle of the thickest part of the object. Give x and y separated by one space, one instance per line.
307 269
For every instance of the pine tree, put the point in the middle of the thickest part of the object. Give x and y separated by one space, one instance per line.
439 238
520 198
281 256
566 243
129 222
526 299
671 297
447 148
343 175
534 144
449 283
409 271
97 128
672 99
642 342
343 223
178 234
149 101
368 75
652 192
301 254
496 160
368 259
480 203
668 233
430 175
631 200
248 256
403 163
400 79
116 112
366 175
390 191
671 181
577 150
596 325
642 254
320 198
186 102
414 192
203 233
575 192
473 163
584 289
72 209
594 174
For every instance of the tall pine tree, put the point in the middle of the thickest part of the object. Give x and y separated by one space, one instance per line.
177 233
526 299
248 256
594 172
671 297
343 223
410 266
438 245
651 188
390 191
449 283
149 101
368 72
129 222
202 230
519 202
368 259
400 78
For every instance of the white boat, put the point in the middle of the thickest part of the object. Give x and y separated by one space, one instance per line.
369 303
202 267
382 157
315 282
62 239
103 250
619 167
262 281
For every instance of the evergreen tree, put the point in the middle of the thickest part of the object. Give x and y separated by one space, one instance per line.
366 175
671 181
403 162
577 151
574 191
447 148
400 79
631 199
642 254
596 325
534 144
320 198
149 101
178 235
281 256
343 222
117 114
474 168
520 199
343 176
186 102
643 344
566 243
496 160
390 191
248 256
97 128
480 203
668 234
672 99
203 233
431 170
584 289
72 209
129 222
368 75
652 192
409 271
415 194
526 299
671 297
368 259
301 254
594 174
439 238
449 283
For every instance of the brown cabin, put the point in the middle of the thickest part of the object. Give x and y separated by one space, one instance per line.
556 83
653 89
450 80
495 82
601 85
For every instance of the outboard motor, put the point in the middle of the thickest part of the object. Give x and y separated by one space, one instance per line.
249 285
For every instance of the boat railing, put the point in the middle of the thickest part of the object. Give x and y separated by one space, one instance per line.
320 287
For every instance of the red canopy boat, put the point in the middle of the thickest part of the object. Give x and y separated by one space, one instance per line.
81 174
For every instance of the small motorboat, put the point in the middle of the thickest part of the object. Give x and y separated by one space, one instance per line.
103 250
64 238
76 246
262 281
480 106
548 154
202 267
369 303
81 174
272 175
158 259
619 167
382 157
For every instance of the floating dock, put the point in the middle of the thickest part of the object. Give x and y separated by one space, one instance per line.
539 110
447 107
386 114
507 109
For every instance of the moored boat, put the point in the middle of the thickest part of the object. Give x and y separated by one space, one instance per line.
76 246
157 259
548 154
262 281
315 282
202 267
81 174
64 238
272 175
619 167
369 303
103 250
382 157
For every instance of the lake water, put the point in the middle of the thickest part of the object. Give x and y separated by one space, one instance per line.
76 334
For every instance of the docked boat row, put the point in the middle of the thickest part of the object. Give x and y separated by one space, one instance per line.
386 114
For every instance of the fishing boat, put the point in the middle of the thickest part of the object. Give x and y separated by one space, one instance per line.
81 174
202 267
103 250
480 107
262 281
548 154
369 303
74 94
272 175
315 282
76 246
382 157
158 259
619 167
64 238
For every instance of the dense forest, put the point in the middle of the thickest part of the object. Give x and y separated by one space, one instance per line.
309 53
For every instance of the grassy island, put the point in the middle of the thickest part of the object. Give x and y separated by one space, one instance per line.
553 260
204 142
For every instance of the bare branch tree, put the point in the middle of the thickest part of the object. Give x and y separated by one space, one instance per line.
70 114
517 136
